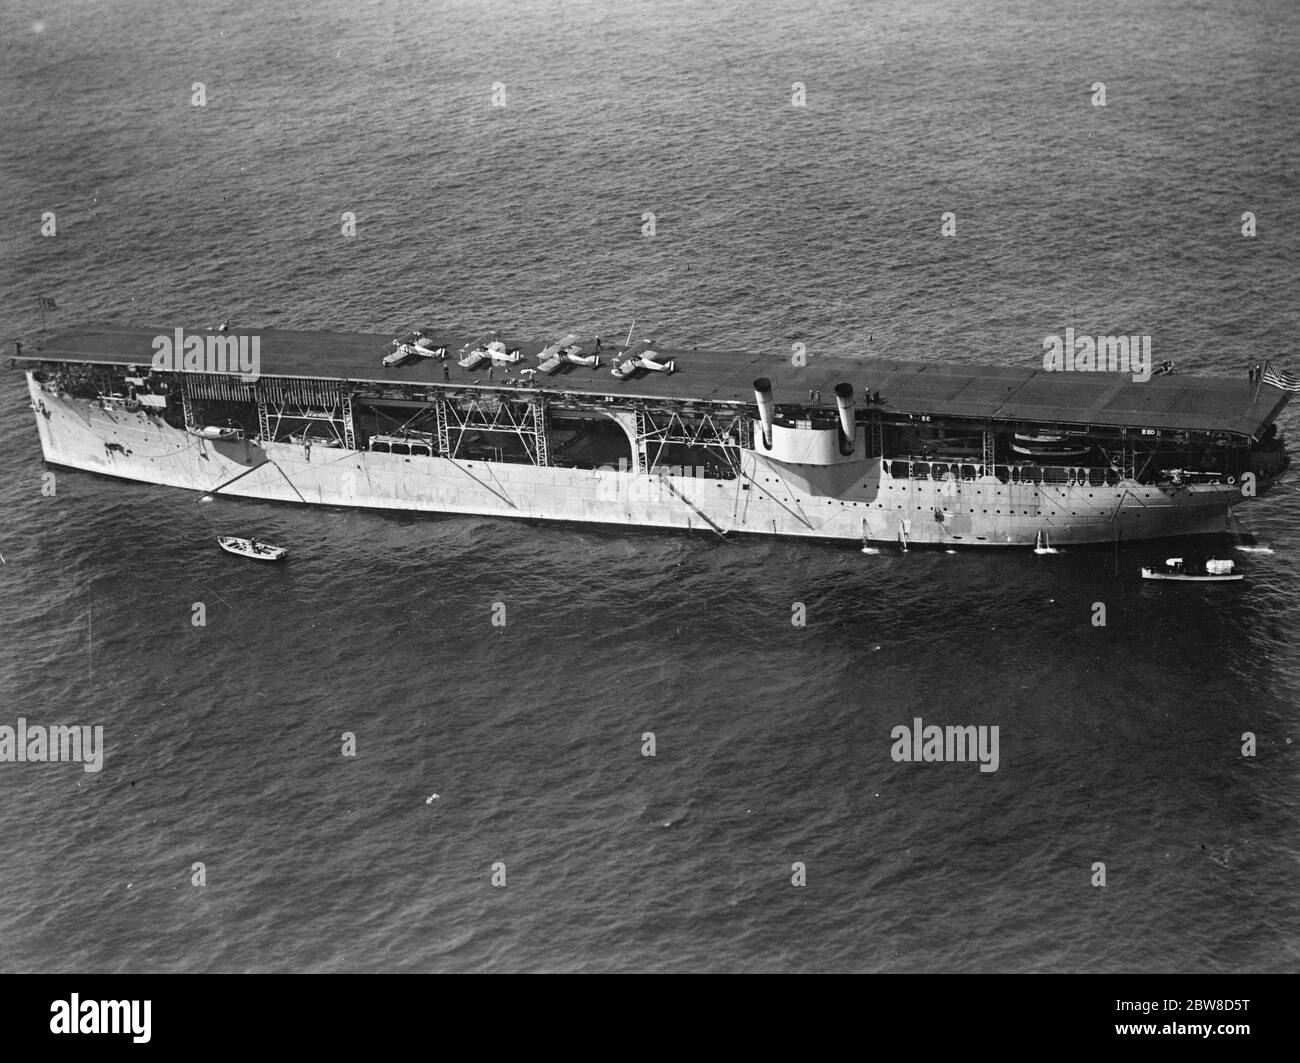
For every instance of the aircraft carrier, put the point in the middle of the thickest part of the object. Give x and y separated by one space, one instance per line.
829 447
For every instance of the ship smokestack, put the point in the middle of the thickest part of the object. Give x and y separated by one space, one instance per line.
844 400
763 396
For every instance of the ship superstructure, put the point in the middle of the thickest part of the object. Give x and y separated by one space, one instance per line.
841 448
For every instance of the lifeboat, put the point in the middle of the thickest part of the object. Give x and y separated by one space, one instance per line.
1050 445
233 544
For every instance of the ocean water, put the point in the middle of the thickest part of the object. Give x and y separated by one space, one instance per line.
774 224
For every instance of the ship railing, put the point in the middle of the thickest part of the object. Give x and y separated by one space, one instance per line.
968 472
1193 476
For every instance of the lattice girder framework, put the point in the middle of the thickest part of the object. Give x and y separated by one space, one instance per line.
524 420
657 428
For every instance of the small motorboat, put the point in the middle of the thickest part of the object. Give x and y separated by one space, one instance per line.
1216 571
233 544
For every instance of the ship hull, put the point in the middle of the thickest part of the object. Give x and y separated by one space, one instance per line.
861 501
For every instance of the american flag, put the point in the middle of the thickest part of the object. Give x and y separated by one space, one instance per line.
1280 378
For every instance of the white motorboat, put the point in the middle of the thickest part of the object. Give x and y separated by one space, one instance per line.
251 548
1216 571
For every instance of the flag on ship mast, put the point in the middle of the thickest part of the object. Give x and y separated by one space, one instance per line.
1280 378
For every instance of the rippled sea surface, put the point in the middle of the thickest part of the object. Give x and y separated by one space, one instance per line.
775 224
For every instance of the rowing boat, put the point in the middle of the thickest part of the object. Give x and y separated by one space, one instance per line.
233 544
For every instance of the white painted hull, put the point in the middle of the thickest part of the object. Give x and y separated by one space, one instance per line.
839 503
